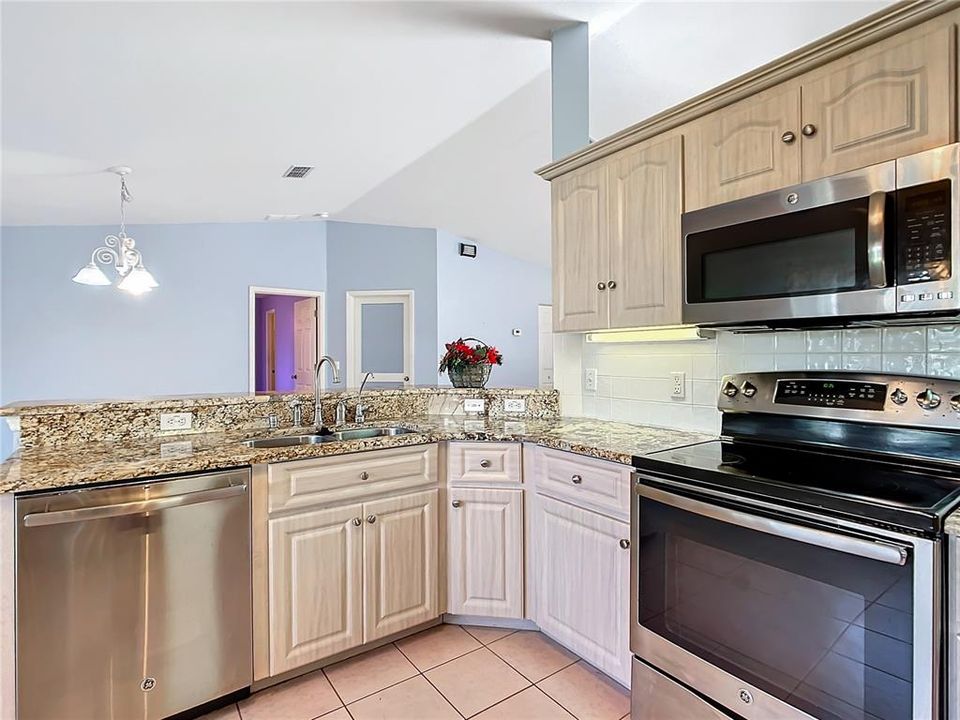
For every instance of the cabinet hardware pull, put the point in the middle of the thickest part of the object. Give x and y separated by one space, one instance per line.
601 286
625 544
809 130
357 522
484 463
371 519
364 475
577 479
456 503
612 284
788 137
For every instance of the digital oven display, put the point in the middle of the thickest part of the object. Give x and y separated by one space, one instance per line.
831 393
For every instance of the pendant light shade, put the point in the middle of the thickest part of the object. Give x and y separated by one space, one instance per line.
90 274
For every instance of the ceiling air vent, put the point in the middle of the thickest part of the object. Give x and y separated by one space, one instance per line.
298 171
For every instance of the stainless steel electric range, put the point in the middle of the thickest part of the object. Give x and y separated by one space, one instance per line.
794 568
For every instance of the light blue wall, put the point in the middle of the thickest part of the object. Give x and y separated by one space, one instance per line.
64 340
486 297
570 88
381 257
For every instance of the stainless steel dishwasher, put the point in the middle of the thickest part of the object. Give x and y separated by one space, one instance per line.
133 600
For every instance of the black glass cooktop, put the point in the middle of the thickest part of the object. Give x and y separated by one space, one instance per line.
912 495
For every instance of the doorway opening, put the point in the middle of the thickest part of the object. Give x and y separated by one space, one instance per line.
285 339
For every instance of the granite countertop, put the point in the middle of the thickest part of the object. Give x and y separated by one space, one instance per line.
86 464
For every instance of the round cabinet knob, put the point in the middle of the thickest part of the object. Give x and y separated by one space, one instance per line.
357 522
576 479
928 399
748 389
625 544
484 463
601 286
955 403
364 475
611 284
730 390
788 137
456 503
809 130
371 519
899 396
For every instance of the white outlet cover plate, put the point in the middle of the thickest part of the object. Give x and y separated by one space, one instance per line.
590 379
514 405
176 421
473 405
678 385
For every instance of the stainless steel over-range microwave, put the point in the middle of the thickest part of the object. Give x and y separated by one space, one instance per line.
879 242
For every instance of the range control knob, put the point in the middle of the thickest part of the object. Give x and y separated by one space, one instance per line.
748 389
928 399
955 403
729 389
899 396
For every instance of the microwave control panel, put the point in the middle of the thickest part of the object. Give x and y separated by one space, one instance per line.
924 233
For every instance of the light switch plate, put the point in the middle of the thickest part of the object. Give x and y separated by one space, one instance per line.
176 421
474 405
590 380
514 405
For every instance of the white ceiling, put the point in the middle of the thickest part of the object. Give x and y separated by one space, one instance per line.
430 114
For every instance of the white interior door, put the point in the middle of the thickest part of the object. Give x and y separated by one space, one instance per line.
304 343
380 337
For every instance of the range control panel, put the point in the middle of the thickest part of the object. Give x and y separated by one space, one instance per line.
831 393
837 395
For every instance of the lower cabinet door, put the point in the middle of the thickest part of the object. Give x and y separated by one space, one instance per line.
485 552
400 563
584 584
316 603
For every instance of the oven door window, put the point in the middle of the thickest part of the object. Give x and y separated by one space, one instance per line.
822 250
828 632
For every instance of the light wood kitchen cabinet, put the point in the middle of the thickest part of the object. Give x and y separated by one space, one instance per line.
751 147
580 262
400 563
889 100
645 194
316 588
584 584
485 552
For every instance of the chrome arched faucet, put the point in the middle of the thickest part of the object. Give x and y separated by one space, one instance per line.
317 407
358 416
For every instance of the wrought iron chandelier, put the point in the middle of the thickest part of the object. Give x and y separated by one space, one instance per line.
119 251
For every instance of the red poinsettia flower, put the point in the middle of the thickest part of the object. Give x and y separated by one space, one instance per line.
493 357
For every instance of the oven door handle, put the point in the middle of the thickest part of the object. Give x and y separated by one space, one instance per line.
873 549
876 244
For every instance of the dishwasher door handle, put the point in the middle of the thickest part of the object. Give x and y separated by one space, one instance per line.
99 512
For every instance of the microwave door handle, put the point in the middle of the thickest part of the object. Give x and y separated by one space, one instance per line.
873 549
876 247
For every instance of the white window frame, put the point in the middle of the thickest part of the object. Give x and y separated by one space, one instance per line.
356 299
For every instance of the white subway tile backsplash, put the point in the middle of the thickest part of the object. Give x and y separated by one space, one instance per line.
943 338
823 341
823 361
904 363
729 364
861 340
758 363
864 362
759 343
791 342
904 340
704 392
943 364
791 361
729 342
704 367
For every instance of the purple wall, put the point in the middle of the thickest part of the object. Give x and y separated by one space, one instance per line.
283 305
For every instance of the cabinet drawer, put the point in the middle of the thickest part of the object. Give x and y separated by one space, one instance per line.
305 483
483 462
602 485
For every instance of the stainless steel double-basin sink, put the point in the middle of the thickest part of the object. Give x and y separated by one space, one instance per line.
316 439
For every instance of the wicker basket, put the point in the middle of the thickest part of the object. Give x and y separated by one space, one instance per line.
470 376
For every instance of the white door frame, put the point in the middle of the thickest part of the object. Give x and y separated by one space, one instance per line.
356 298
252 325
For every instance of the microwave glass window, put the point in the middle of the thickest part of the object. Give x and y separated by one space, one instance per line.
798 266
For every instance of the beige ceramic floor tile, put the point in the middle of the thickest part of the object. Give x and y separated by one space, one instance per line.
369 673
587 693
413 699
487 635
338 714
304 698
531 704
437 645
476 681
532 654
229 712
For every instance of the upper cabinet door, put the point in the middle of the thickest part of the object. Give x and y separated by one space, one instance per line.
644 286
890 100
400 563
580 263
749 148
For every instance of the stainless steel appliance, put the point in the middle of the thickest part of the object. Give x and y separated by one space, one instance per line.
794 567
133 601
878 242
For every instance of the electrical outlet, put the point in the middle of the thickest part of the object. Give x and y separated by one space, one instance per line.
175 449
678 388
590 380
176 421
514 405
474 405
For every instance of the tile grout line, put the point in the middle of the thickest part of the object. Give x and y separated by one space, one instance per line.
424 676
